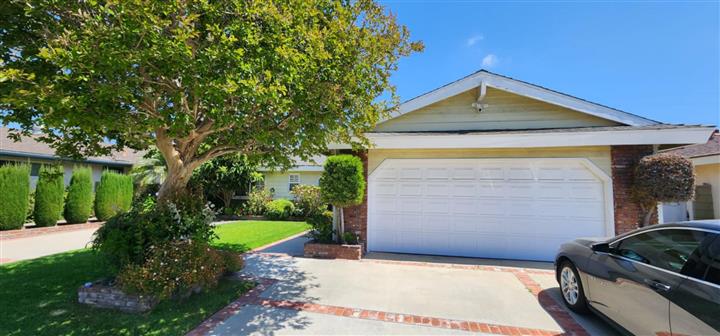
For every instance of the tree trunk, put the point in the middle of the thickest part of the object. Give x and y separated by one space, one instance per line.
648 212
174 185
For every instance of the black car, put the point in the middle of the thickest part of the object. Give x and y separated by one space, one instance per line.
658 280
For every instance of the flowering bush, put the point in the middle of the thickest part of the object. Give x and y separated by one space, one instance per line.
257 202
173 269
663 178
308 200
126 238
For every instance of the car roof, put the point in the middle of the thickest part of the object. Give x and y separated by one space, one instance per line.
712 225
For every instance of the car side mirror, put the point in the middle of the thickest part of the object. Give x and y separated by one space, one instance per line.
601 247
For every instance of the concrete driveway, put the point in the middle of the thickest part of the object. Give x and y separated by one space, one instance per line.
397 294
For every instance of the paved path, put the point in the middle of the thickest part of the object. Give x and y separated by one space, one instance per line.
396 294
39 246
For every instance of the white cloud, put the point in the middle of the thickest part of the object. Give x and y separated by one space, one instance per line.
490 60
474 40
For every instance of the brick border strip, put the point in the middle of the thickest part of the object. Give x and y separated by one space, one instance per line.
258 249
41 231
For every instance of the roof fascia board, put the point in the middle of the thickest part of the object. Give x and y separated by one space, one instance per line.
520 88
531 140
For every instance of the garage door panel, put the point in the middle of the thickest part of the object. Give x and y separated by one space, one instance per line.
410 189
493 208
437 189
434 223
436 206
463 207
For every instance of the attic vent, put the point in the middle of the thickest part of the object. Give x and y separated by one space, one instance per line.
482 91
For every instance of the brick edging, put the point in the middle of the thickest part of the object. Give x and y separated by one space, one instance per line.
41 231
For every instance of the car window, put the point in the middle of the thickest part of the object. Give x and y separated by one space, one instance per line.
713 272
700 259
668 249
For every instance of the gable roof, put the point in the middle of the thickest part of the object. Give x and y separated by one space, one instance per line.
711 147
29 147
521 88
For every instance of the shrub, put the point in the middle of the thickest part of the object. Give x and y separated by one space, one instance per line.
350 238
280 209
322 228
113 195
126 238
14 193
308 200
49 196
174 269
233 261
662 178
342 183
78 203
258 200
31 206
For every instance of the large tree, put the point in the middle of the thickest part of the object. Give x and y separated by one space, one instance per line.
198 79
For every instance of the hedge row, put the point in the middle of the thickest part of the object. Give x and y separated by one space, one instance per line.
78 204
113 195
15 190
49 196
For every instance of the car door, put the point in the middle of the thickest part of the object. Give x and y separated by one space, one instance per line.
695 305
632 282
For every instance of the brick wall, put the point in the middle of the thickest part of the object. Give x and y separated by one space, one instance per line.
627 213
332 251
356 216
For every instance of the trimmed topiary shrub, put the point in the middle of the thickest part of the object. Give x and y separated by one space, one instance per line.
14 193
49 196
78 203
113 195
280 209
342 184
662 178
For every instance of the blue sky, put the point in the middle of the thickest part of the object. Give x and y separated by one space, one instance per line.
659 60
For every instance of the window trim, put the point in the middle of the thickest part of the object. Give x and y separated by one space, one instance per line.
291 183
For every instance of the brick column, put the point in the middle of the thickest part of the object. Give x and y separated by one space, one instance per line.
628 215
356 216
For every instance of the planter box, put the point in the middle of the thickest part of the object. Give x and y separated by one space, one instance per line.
333 251
102 295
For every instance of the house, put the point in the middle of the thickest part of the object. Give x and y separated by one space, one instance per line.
494 167
280 183
36 153
706 205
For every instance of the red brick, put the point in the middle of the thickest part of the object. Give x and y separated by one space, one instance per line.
628 215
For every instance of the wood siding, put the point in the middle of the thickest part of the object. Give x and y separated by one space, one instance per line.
279 182
504 111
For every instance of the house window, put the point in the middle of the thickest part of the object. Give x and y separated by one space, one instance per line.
35 169
293 180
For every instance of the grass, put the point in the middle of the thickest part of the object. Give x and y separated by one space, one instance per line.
39 296
243 236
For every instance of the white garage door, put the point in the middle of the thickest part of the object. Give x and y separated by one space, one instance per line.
493 208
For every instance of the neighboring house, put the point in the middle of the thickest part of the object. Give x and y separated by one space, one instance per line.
706 205
490 166
280 183
37 153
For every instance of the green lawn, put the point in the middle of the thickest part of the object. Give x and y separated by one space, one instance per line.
39 296
246 235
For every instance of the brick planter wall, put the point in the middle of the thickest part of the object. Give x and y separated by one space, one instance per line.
624 158
356 216
103 296
333 251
